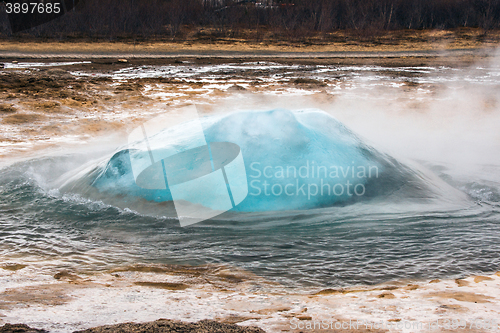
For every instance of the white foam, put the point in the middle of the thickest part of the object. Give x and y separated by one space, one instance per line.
17 65
107 299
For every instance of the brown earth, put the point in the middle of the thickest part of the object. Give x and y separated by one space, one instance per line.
339 41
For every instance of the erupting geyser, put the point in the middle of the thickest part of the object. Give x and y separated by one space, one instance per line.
292 160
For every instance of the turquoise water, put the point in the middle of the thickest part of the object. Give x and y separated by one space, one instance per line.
429 218
366 242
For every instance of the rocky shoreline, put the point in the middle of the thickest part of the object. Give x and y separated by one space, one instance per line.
158 326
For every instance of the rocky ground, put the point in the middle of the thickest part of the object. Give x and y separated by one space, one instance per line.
47 105
159 326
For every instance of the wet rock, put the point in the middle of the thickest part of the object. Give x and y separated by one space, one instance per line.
16 119
461 283
236 88
19 328
4 108
47 105
162 285
13 267
30 84
66 276
58 74
129 86
478 279
306 81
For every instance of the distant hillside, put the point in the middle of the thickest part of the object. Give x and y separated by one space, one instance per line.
286 19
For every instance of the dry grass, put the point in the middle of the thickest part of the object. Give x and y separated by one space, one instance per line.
393 41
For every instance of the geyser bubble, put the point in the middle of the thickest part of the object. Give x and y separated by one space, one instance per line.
254 161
